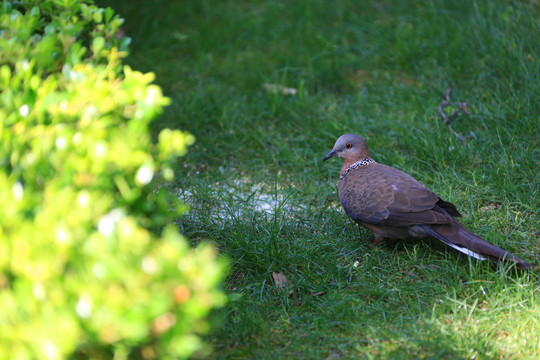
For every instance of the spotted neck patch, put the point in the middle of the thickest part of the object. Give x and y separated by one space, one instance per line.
360 163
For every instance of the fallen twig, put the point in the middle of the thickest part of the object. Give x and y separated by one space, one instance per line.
461 107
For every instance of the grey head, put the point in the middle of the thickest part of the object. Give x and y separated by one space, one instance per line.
350 148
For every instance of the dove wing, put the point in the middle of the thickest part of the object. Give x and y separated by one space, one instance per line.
380 194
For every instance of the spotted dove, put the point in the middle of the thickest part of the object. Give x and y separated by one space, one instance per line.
392 204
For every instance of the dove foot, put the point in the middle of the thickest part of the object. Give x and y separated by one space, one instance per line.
377 241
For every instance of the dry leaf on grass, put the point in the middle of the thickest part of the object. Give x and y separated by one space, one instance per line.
489 207
280 280
276 88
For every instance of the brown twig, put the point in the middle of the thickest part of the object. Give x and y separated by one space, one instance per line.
461 107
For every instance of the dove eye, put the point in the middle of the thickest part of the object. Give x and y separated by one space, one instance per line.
348 145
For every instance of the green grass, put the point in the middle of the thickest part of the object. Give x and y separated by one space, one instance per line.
377 69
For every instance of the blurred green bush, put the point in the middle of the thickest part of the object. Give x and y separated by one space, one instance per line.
82 272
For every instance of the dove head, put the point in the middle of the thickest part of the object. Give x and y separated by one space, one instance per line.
351 148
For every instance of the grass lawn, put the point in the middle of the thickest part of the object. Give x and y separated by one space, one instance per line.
260 193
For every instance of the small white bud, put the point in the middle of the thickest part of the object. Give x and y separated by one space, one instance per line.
18 191
144 175
84 306
61 143
24 110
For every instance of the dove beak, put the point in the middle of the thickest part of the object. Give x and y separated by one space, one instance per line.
329 155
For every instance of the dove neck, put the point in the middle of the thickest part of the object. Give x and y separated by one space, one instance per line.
360 163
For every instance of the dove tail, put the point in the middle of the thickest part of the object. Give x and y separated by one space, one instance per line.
462 249
460 238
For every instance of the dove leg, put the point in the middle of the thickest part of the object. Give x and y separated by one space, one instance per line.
360 237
